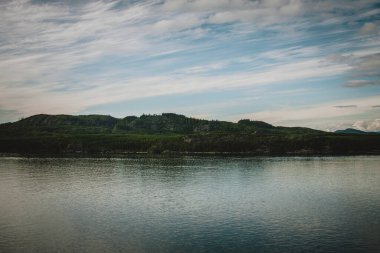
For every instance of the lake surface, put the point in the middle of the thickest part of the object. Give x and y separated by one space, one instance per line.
190 204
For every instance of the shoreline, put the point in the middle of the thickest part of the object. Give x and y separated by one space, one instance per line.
181 154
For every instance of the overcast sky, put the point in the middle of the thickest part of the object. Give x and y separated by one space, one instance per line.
287 62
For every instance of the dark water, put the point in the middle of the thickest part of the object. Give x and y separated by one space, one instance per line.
190 204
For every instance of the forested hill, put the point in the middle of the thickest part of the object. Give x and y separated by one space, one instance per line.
148 124
172 133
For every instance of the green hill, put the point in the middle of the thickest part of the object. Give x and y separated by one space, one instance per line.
172 133
152 124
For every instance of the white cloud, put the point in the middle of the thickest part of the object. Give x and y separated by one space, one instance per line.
177 24
224 11
204 5
367 125
292 52
106 90
44 48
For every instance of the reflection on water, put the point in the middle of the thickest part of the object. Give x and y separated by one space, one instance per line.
190 204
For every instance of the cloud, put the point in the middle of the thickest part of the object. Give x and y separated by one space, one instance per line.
361 83
66 56
177 24
369 65
365 71
107 90
368 28
204 5
345 106
367 125
266 12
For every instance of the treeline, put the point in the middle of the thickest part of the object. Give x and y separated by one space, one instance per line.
218 143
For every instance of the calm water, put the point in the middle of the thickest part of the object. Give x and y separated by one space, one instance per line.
190 204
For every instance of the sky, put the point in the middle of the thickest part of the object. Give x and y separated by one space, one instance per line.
312 63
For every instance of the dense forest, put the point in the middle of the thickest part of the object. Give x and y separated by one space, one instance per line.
171 133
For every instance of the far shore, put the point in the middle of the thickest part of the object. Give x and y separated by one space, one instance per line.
180 154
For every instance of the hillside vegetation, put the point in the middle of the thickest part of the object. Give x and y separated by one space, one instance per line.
172 133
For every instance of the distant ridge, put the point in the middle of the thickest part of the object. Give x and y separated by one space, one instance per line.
354 131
